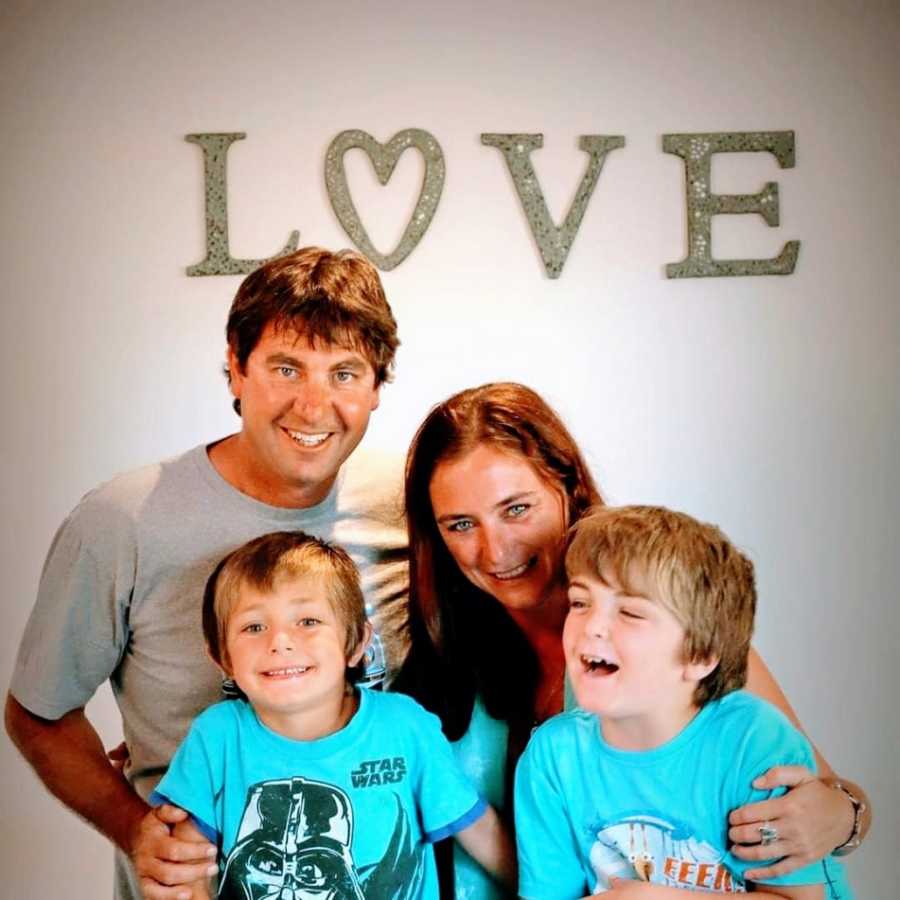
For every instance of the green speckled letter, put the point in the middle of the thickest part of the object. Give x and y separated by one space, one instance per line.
554 243
384 159
218 257
696 150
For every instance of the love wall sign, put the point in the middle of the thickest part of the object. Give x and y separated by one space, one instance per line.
553 241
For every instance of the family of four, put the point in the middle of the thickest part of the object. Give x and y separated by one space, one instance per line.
503 594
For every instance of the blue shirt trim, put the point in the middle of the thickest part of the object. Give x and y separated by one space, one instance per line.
473 815
210 833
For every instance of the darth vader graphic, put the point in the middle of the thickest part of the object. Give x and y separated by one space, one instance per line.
294 843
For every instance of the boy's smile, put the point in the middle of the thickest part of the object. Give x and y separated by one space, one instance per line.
285 648
625 659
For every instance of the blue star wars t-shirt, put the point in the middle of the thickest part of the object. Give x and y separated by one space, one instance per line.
587 811
351 815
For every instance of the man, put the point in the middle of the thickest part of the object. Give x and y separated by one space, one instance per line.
311 340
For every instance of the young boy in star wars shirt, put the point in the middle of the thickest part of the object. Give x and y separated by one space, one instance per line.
309 786
629 795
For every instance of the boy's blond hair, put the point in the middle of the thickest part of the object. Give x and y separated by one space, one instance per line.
264 562
688 566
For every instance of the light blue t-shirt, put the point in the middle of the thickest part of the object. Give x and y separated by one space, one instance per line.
350 815
586 811
482 752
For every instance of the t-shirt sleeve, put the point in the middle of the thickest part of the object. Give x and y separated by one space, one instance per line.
446 799
549 865
78 628
773 741
195 775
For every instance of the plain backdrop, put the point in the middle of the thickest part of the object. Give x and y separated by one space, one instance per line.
768 405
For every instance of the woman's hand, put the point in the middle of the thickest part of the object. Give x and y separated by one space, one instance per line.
811 820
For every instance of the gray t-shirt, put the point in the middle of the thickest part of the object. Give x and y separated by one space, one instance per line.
121 591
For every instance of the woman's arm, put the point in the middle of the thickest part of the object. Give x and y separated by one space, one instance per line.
812 818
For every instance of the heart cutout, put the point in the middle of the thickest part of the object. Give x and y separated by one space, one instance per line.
384 159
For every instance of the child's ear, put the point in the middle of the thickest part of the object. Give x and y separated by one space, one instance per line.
224 663
699 669
356 656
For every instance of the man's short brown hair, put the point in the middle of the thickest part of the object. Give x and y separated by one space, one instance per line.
265 561
330 298
688 566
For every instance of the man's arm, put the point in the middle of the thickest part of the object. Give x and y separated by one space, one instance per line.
68 756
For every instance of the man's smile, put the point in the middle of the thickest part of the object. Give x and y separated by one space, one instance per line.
306 439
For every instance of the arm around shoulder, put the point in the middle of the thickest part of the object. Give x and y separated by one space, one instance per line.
816 817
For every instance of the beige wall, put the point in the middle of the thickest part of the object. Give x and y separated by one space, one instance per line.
768 405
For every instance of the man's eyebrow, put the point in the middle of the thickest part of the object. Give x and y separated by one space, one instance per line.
351 362
284 358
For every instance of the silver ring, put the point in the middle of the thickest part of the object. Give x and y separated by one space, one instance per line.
768 834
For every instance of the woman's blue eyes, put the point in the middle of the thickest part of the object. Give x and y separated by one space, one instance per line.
460 526
514 511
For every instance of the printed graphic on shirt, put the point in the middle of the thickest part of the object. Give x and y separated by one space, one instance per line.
646 848
294 843
373 772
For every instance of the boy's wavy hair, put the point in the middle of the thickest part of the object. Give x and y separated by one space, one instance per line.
690 567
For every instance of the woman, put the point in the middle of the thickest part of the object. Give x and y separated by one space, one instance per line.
493 481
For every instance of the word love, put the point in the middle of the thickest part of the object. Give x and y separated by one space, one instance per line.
553 241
